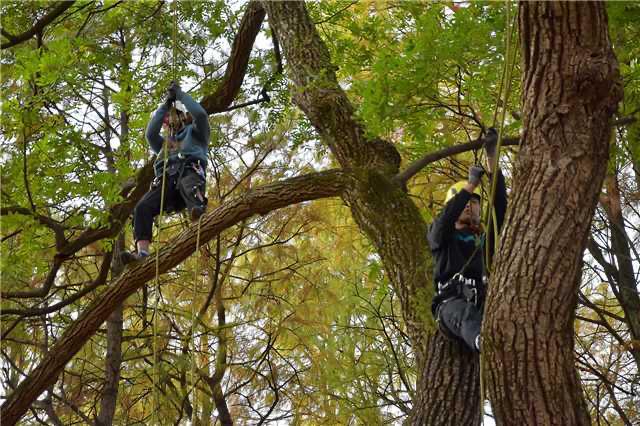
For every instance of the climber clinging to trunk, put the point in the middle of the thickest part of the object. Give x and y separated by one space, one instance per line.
457 241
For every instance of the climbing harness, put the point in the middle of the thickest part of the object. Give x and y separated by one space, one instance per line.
460 286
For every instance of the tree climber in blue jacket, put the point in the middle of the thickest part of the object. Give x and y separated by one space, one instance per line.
187 126
456 239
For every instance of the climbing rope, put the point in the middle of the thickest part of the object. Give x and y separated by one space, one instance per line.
194 319
165 155
175 40
156 404
490 214
509 65
173 119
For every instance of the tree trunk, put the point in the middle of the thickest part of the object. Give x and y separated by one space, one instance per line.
215 381
113 359
383 211
570 90
448 389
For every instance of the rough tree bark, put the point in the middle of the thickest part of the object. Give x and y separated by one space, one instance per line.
570 91
384 212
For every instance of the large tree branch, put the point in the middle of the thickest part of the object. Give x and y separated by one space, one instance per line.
238 61
379 206
38 27
432 157
258 201
318 93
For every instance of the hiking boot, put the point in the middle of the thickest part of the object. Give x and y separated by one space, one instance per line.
196 212
126 257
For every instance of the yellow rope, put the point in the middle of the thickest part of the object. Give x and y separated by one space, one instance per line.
156 402
490 214
509 66
194 360
175 39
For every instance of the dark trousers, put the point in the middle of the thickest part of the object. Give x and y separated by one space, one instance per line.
179 193
462 319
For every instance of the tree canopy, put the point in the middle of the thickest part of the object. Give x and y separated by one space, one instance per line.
308 299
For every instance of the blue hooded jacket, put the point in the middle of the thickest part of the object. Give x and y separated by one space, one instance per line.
193 138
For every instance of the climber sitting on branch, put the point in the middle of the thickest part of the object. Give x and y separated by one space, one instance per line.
186 141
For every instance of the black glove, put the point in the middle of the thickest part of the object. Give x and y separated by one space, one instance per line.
490 142
172 93
475 174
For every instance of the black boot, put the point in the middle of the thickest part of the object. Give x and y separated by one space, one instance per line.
196 212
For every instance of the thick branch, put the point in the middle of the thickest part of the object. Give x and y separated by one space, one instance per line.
432 157
258 201
38 27
238 60
318 93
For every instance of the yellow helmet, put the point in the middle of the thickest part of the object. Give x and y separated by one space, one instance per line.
457 187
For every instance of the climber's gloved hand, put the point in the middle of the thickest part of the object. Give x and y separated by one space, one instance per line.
490 142
475 174
172 93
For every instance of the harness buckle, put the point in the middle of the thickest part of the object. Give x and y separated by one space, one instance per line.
459 285
198 168
470 293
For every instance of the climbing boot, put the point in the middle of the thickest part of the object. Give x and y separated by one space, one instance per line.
126 257
196 212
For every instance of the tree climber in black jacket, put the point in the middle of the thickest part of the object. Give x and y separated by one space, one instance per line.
457 240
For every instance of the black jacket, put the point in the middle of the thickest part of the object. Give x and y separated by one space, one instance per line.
451 248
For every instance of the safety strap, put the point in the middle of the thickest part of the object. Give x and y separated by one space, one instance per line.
473 254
